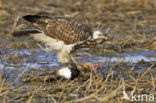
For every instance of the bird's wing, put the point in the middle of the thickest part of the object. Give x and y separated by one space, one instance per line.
65 29
68 31
25 32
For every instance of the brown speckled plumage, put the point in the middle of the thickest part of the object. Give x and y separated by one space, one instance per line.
65 29
64 35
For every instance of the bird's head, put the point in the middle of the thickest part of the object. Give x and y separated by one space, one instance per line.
99 36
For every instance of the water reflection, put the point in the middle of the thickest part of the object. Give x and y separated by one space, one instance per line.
37 58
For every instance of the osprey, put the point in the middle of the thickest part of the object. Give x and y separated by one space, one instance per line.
64 35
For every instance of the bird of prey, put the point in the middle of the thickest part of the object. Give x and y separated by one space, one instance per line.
61 34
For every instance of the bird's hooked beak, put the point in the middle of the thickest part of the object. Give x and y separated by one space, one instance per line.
104 36
102 39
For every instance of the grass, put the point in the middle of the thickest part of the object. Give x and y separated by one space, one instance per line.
94 88
132 28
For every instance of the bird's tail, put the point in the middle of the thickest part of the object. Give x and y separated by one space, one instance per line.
25 32
36 18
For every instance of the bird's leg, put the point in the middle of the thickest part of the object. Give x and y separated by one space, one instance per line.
74 61
63 57
74 48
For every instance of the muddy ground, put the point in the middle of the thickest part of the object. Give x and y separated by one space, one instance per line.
127 61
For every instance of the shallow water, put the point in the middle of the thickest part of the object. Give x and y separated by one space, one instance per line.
37 58
146 56
15 61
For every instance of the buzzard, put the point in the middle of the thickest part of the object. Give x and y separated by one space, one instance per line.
64 35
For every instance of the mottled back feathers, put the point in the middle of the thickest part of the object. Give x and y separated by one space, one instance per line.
65 29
